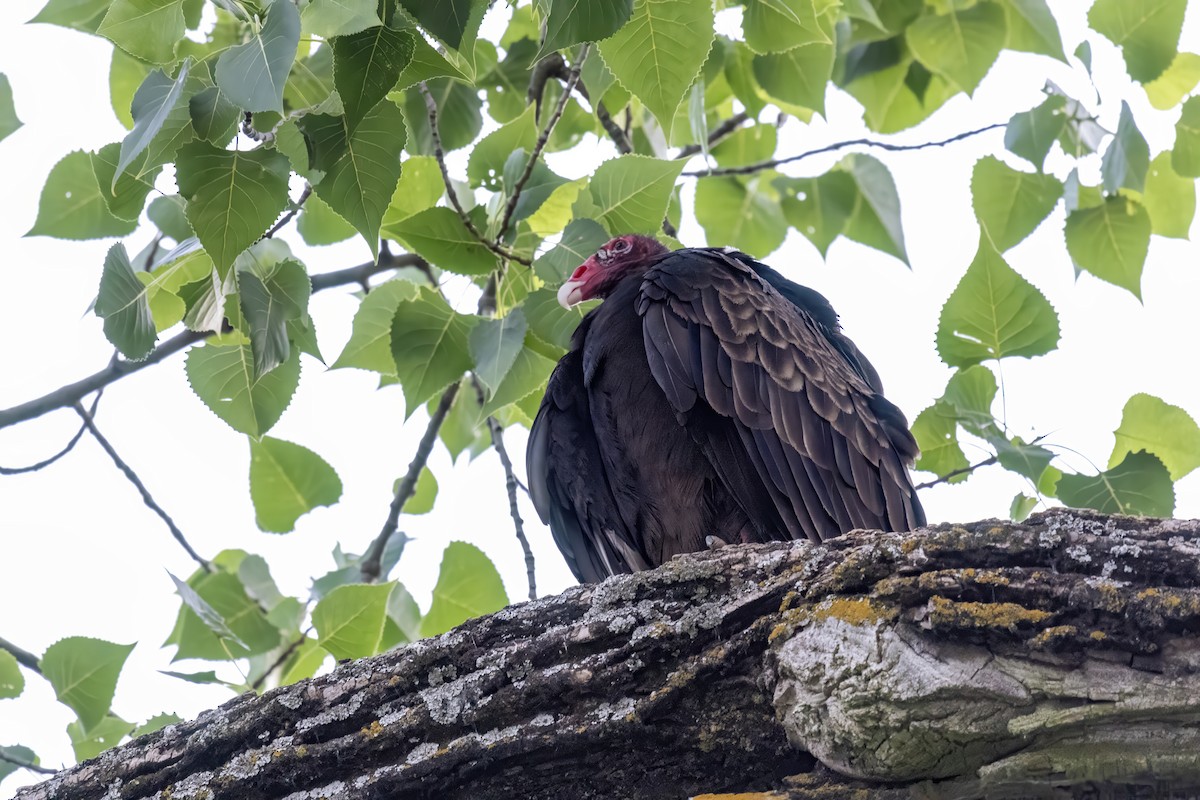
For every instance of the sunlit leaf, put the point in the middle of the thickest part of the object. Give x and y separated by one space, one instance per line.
494 345
8 113
349 620
107 733
1111 241
424 494
249 631
12 682
439 236
1147 32
485 165
773 26
631 192
80 15
936 432
798 76
1170 199
84 674
330 18
1010 204
155 723
875 221
287 481
72 206
1167 431
370 345
1032 28
740 213
960 46
468 586
1167 90
1185 156
820 207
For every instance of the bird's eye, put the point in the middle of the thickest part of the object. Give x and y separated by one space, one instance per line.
621 246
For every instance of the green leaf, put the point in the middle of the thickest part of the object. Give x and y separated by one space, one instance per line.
366 67
80 15
247 629
420 187
439 236
554 214
155 723
84 674
773 26
330 18
1167 431
252 75
960 46
1031 134
125 75
1111 241
13 756
459 119
1028 460
310 82
233 196
319 224
1011 204
350 619
214 115
404 619
429 345
798 76
106 734
549 321
1127 158
147 29
12 682
126 195
630 192
994 313
936 432
269 302
741 214
123 306
1021 507
1167 90
423 496
155 119
494 345
168 212
1147 32
72 206
528 374
449 20
485 165
370 345
463 428
211 618
876 218
222 375
970 393
8 112
820 207
1185 157
287 481
1032 28
569 22
468 586
1140 484
361 167
901 95
304 663
1170 200
658 53
579 241
748 145
537 189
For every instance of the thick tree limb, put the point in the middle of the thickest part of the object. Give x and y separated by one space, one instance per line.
1049 658
68 395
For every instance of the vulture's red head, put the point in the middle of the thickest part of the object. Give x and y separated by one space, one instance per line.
619 258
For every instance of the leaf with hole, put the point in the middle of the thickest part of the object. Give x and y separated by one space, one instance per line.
72 205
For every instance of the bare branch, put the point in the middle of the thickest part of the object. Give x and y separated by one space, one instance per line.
510 484
141 487
371 559
613 129
284 656
72 393
717 134
67 448
749 169
291 213
440 155
669 228
11 759
552 66
987 462
23 656
152 251
540 144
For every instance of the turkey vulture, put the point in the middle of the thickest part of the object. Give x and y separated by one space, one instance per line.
709 396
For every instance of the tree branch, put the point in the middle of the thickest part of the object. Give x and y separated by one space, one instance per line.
291 213
23 657
69 446
287 652
717 134
749 169
440 155
74 392
4 756
147 498
371 566
510 485
954 473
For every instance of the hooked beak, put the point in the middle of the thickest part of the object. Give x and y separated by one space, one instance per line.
570 293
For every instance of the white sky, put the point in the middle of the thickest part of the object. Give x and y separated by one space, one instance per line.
81 555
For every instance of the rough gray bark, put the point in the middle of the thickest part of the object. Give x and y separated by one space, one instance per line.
1059 657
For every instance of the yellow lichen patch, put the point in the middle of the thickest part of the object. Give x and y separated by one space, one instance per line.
742 796
786 603
372 730
982 615
1099 636
1151 592
302 750
1054 635
793 618
855 610
992 577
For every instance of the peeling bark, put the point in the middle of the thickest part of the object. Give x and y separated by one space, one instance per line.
1058 657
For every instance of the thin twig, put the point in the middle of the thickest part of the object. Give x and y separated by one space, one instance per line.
371 565
66 449
540 144
11 759
613 129
292 212
987 462
152 251
829 148
23 656
284 656
718 133
72 393
440 155
141 487
510 484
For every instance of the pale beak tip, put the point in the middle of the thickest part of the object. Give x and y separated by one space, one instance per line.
570 294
